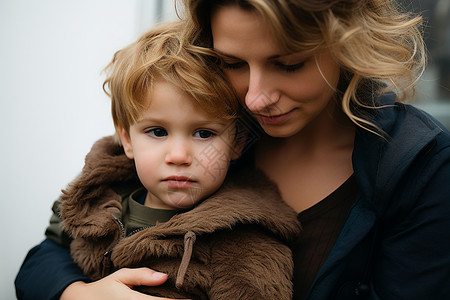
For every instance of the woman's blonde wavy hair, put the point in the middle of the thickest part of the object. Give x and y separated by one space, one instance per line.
161 53
379 47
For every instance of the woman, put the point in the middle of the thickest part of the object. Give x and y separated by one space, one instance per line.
367 174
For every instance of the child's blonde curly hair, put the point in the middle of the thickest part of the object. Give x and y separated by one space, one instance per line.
161 54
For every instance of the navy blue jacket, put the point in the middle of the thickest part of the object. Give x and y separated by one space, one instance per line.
395 243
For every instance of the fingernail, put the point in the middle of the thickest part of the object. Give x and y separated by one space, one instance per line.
158 275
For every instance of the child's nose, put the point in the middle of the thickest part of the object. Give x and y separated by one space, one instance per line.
179 153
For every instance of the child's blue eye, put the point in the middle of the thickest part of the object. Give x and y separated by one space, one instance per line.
157 132
204 134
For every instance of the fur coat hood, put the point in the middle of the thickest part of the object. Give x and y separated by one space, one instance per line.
233 245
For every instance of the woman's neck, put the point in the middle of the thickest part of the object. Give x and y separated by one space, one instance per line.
309 166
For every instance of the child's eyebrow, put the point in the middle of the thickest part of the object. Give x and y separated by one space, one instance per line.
149 119
199 122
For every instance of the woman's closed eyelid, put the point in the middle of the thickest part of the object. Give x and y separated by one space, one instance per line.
285 66
233 64
290 67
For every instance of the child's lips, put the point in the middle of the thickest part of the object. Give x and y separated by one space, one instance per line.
179 181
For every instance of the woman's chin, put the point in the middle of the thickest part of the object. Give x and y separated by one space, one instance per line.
280 131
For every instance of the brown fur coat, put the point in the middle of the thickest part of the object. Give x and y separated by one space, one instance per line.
231 246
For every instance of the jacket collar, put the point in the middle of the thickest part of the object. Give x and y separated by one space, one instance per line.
247 197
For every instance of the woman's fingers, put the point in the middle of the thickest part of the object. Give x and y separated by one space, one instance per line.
118 285
139 276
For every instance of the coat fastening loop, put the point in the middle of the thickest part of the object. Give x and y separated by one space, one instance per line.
189 240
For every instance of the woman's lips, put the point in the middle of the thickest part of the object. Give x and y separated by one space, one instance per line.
178 182
272 120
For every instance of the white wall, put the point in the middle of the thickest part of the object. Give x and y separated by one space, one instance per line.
52 104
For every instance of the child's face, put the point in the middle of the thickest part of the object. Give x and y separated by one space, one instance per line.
181 153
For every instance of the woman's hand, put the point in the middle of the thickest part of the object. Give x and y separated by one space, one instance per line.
118 285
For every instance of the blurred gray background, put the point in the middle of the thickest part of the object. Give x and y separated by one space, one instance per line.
53 107
434 89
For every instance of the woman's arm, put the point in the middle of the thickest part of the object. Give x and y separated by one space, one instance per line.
49 272
48 268
414 259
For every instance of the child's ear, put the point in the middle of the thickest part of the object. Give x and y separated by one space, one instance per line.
239 145
126 142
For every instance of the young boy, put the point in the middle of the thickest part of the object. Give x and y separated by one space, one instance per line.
157 198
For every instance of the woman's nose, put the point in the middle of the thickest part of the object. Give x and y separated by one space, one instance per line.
262 92
179 153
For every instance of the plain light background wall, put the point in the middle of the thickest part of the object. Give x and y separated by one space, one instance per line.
52 104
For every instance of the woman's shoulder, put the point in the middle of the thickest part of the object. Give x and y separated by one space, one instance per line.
419 118
415 128
416 150
405 131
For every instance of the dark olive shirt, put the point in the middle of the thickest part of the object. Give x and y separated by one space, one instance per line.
321 224
135 215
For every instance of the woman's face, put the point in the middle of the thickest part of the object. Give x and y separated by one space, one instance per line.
284 91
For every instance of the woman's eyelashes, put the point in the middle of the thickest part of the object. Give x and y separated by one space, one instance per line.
159 132
279 65
290 67
233 65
